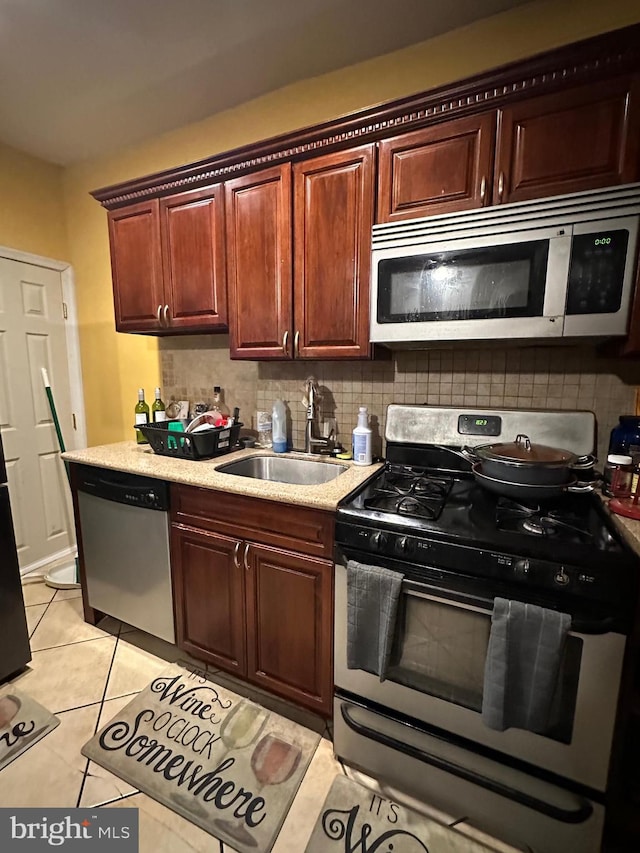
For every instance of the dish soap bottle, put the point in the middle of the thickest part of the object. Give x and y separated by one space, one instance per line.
142 415
279 427
158 411
362 439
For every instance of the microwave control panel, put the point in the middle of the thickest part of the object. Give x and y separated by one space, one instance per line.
596 274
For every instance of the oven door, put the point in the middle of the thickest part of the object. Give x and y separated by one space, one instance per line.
437 672
509 285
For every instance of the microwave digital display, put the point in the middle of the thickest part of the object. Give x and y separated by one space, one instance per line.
505 280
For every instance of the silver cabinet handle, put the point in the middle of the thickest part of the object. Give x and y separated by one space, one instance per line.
236 552
296 343
285 338
158 312
500 186
166 315
245 556
483 188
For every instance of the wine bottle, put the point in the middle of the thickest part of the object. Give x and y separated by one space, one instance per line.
219 407
142 416
158 412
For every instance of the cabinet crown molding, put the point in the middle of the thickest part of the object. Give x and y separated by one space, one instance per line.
601 57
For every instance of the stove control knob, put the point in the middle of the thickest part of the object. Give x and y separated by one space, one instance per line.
378 540
521 569
561 577
404 545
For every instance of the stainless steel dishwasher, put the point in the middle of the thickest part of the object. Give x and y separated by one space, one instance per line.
124 522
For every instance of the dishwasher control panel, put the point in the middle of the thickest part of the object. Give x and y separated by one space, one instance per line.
124 488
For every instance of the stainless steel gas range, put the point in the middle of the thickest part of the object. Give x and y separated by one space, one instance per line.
457 550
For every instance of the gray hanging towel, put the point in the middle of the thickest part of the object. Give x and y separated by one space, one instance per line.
373 593
525 652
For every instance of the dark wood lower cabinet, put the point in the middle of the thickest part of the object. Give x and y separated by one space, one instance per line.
259 610
209 592
289 625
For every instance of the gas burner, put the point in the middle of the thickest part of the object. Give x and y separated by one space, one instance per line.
413 505
531 525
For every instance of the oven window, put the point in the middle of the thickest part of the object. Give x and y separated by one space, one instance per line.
440 649
471 284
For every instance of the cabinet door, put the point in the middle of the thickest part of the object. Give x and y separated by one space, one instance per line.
438 169
289 619
333 216
136 267
576 140
208 583
193 254
258 229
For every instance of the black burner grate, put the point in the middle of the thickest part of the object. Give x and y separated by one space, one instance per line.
410 491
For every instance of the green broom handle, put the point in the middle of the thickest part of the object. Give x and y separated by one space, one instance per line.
52 406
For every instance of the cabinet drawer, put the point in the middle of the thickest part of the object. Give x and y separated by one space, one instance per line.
309 531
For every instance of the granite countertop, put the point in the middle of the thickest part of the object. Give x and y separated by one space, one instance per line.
140 459
628 528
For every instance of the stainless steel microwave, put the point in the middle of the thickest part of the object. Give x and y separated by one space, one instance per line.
550 268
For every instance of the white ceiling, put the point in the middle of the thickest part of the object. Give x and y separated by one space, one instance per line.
80 78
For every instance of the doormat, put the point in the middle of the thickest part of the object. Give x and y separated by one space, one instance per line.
355 818
23 722
221 761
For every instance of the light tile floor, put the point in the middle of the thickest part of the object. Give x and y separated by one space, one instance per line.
84 675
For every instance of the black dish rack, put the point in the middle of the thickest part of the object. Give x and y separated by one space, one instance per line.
189 445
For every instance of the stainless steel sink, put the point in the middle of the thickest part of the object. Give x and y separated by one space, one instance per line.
285 469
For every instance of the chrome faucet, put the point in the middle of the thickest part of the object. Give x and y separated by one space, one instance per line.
314 443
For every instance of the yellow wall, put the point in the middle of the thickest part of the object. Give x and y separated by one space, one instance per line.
115 365
31 205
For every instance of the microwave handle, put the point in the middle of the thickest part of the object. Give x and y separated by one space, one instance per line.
579 815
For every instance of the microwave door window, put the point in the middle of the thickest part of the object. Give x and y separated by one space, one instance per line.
500 281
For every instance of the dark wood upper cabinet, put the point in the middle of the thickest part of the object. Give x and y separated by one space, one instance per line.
333 215
579 139
258 233
168 264
326 228
193 255
138 291
439 169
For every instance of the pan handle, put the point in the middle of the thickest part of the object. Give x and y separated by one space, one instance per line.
580 488
465 453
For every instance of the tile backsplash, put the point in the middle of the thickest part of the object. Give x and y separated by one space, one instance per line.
551 377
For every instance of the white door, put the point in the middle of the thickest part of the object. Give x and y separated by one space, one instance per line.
32 336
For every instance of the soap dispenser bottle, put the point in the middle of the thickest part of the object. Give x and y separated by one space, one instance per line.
279 427
362 439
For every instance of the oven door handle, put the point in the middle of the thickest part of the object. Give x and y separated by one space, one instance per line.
579 815
478 604
448 596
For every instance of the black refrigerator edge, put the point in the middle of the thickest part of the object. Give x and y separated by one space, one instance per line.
15 652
